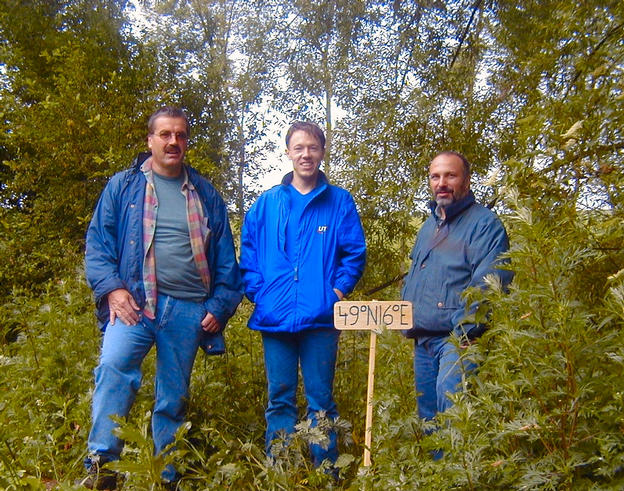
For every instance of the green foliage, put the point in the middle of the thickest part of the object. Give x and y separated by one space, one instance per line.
138 463
543 411
73 91
77 87
547 398
46 388
45 384
531 93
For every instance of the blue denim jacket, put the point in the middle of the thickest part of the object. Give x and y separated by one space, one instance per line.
449 257
114 250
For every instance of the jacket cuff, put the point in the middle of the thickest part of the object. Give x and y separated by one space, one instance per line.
213 306
223 307
106 287
343 287
469 330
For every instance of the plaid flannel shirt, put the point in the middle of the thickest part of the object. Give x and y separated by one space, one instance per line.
199 234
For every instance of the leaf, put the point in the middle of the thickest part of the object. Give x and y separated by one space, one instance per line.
344 460
573 130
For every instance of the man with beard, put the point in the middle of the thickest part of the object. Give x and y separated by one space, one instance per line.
161 262
457 246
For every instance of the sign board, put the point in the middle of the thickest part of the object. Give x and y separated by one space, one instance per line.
372 315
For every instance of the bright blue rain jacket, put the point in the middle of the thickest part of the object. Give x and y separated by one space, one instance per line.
293 297
448 258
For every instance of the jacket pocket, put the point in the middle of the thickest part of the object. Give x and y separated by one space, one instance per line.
274 302
434 307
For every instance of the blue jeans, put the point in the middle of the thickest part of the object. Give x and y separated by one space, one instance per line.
438 371
176 331
316 350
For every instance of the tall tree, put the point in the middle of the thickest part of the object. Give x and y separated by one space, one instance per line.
318 40
253 53
414 95
219 63
74 90
192 71
480 78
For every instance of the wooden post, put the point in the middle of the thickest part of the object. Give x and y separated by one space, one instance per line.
372 316
368 435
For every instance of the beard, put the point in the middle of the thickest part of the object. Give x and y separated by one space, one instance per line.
444 202
455 195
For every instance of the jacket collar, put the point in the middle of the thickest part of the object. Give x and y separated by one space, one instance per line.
143 156
322 179
146 168
138 161
456 208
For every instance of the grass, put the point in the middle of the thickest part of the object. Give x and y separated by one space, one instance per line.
46 387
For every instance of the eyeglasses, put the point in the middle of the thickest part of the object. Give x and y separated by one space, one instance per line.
166 135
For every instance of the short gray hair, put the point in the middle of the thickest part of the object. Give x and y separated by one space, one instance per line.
168 111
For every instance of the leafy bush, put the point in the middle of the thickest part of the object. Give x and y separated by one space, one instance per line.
46 388
544 410
45 384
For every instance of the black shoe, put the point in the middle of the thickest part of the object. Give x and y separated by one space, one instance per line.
171 485
98 478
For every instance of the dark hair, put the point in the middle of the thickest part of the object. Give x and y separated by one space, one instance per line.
168 111
310 128
459 156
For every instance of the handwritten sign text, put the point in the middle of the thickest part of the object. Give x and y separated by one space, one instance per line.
373 314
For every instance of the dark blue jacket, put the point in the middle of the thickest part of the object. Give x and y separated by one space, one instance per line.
293 297
446 261
114 250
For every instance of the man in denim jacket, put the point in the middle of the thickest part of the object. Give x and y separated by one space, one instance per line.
161 262
458 245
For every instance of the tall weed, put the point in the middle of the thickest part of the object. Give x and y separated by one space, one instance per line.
543 411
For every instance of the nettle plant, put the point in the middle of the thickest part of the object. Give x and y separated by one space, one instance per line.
545 408
45 384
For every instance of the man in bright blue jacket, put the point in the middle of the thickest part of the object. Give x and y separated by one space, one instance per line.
161 262
456 248
302 250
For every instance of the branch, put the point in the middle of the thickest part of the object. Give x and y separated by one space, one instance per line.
385 285
594 50
465 33
414 19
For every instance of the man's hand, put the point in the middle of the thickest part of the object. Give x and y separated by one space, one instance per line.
122 305
467 343
339 294
210 324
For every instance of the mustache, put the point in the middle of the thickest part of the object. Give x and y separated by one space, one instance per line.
444 190
172 147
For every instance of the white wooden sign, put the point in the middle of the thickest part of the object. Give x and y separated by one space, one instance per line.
372 316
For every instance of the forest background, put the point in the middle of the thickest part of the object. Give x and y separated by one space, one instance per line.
531 92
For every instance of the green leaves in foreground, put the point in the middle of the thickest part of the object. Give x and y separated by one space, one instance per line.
142 468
